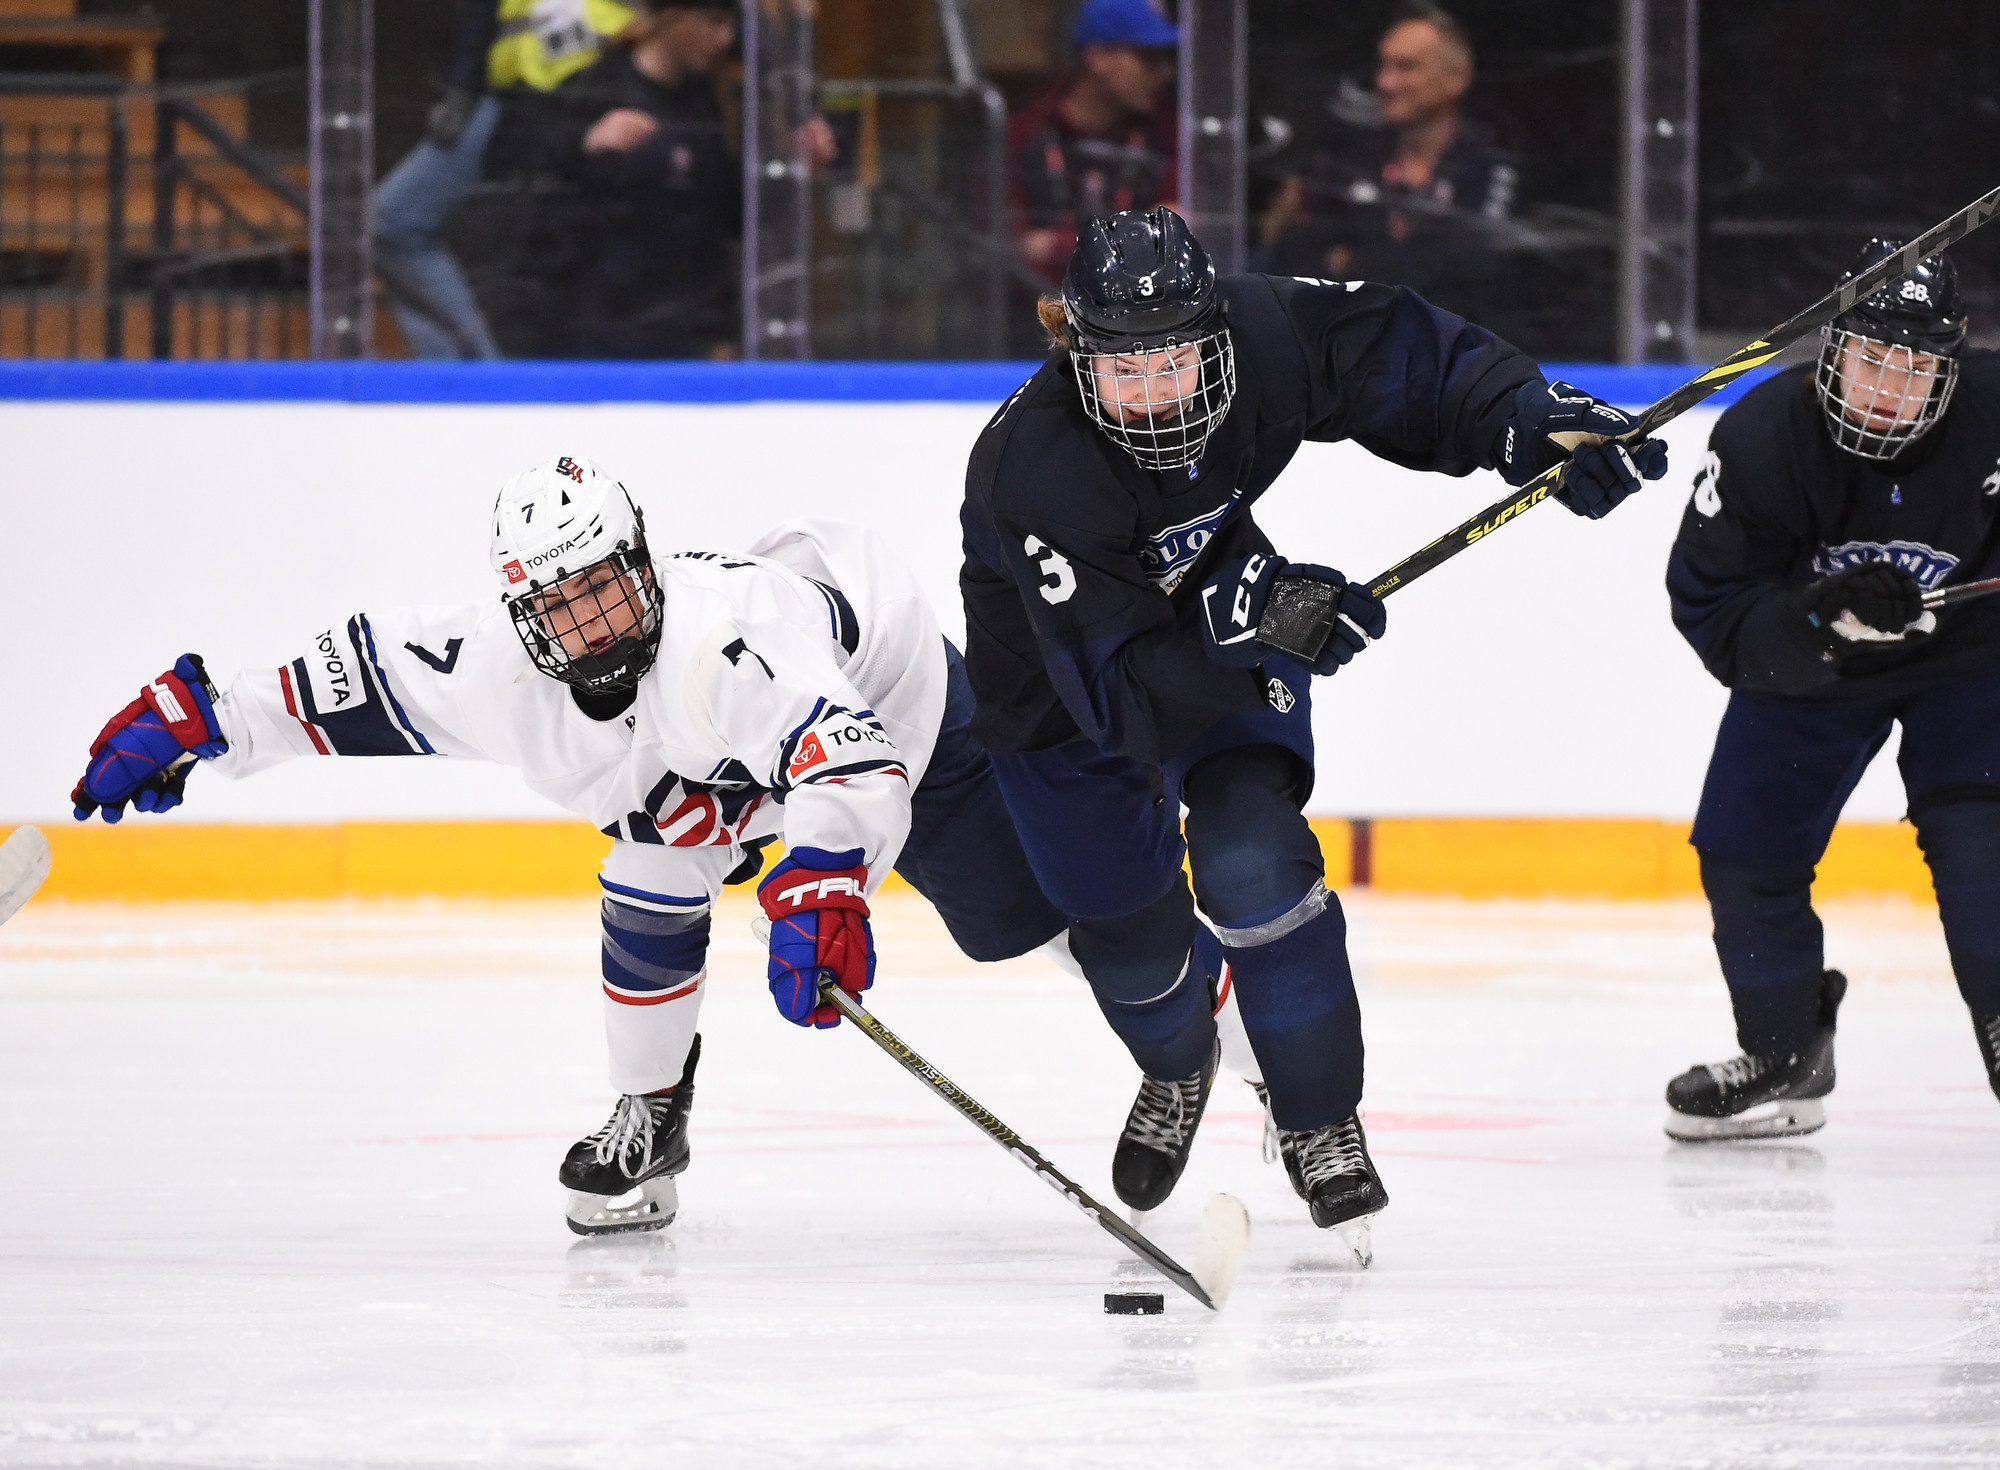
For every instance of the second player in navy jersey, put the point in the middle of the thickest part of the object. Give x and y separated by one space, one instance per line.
1831 500
1115 584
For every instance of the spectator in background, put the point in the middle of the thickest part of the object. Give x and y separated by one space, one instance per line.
1103 139
503 54
662 202
1415 202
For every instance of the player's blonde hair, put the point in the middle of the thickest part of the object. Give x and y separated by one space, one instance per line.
1054 321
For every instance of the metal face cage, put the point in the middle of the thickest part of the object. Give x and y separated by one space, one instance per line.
1162 427
1901 392
597 630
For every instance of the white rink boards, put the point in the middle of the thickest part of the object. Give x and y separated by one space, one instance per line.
1550 640
281 1192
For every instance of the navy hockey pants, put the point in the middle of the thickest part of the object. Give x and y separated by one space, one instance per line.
962 854
1103 833
1781 772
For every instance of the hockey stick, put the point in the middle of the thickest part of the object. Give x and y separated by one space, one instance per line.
24 863
1756 354
1209 1294
1963 592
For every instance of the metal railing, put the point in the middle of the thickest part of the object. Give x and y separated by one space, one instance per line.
189 243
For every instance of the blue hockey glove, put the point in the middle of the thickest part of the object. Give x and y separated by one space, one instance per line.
1551 423
133 758
819 929
1311 613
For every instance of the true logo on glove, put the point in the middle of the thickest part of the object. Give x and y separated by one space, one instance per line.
797 893
163 700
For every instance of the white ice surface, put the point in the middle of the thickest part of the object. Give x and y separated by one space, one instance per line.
279 1191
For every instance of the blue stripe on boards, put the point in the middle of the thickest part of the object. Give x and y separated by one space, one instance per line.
642 382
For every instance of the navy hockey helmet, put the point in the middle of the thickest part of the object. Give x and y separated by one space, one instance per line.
1889 363
1144 324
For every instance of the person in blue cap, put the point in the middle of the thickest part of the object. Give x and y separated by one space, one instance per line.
1102 139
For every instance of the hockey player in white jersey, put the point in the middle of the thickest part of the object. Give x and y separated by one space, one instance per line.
693 707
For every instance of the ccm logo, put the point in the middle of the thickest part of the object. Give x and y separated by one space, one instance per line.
819 888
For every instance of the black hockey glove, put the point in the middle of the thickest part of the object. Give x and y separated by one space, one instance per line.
1259 605
1553 422
1876 602
449 117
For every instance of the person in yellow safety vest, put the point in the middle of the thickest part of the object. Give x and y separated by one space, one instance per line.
543 43
528 47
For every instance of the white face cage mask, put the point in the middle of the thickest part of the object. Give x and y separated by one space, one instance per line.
1880 397
1172 412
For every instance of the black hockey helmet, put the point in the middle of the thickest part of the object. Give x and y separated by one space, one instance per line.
1888 364
1139 285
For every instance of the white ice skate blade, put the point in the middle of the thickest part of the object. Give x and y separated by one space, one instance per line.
1785 1118
1222 1246
653 1207
24 863
1356 1235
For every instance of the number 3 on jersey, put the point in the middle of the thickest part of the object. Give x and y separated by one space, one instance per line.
1058 581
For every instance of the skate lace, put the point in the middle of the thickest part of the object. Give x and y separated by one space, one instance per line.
1326 1152
1163 1115
629 1128
1271 1146
1738 1071
1991 1026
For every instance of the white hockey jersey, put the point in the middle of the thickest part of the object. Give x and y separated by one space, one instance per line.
798 692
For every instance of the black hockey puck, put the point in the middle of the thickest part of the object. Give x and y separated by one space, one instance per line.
1134 1303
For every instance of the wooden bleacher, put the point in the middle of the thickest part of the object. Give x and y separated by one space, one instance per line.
55 198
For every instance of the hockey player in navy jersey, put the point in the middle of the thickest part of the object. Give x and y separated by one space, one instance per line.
693 706
1832 499
1114 587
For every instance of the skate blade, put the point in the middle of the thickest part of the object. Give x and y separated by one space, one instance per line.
1785 1118
652 1208
1356 1235
1222 1246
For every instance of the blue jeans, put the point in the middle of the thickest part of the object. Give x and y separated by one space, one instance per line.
411 207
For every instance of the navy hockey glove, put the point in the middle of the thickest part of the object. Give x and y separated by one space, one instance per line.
1258 605
1553 422
1876 602
134 756
819 930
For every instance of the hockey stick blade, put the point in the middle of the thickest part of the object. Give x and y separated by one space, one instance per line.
1938 237
1223 1245
1011 1141
24 862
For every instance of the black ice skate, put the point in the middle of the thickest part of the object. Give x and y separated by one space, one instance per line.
1333 1174
1159 1132
1988 1030
637 1152
1759 1097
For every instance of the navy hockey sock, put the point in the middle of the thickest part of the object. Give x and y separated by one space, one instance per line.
650 956
1296 993
1148 982
1961 842
1772 949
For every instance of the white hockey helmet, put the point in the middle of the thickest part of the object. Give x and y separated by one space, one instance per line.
569 547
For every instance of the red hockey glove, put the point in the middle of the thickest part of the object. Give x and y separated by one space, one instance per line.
137 757
819 930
